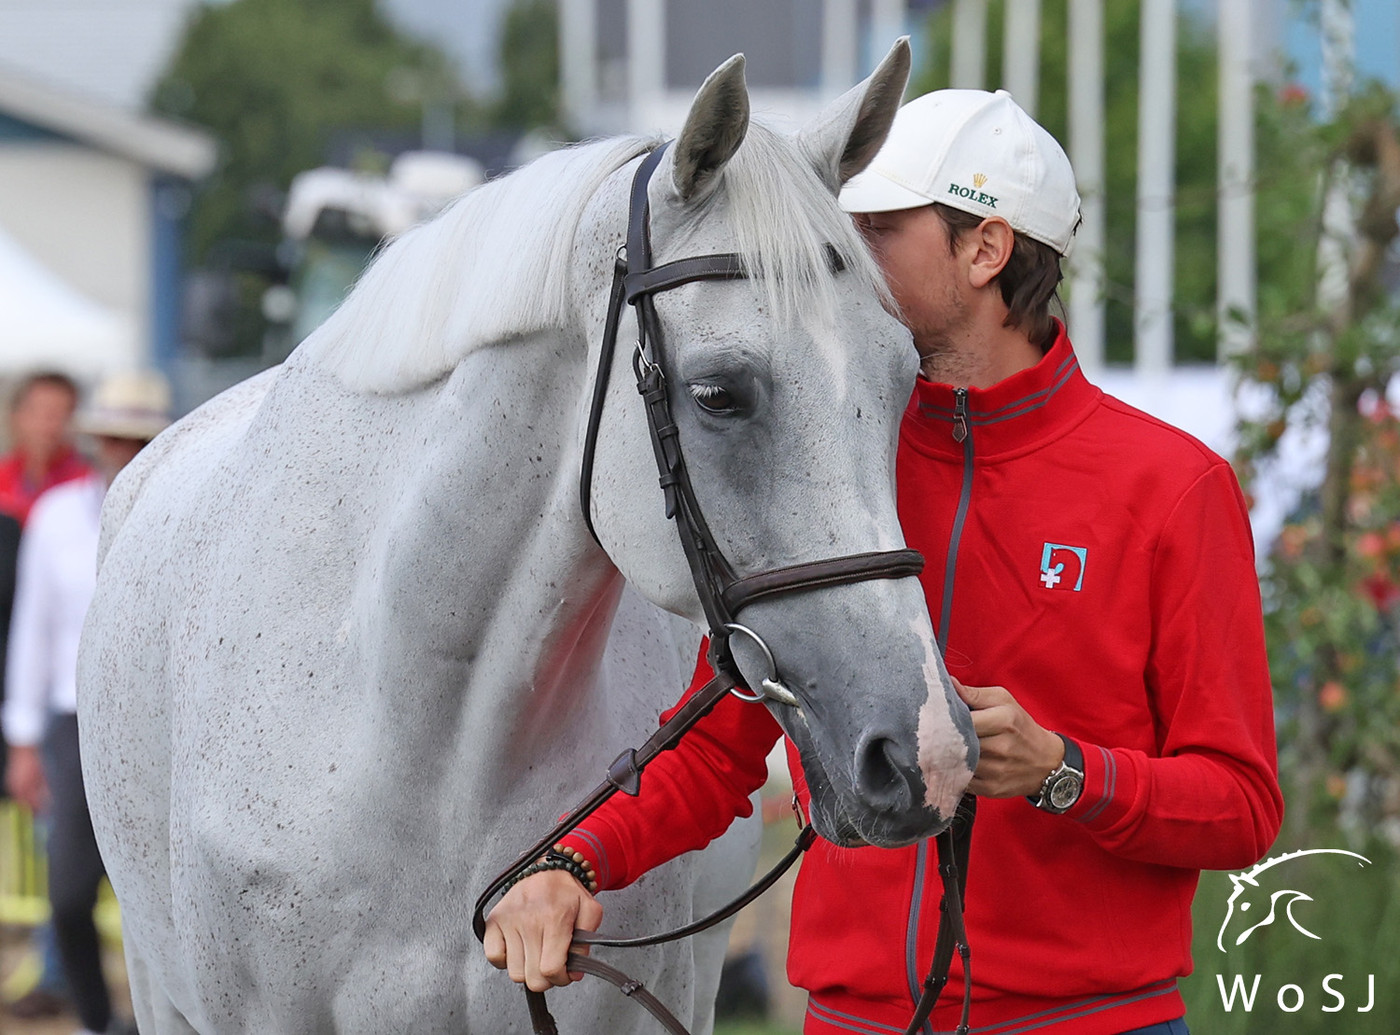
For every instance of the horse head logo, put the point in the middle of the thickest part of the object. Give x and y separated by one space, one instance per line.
1260 906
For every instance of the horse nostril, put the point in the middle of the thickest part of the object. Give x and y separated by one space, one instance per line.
883 774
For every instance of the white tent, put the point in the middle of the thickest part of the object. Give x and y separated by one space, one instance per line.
45 322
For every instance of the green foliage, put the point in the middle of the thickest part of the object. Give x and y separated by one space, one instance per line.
1197 101
273 80
1355 912
1331 589
529 66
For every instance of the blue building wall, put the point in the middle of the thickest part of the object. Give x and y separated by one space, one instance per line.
169 201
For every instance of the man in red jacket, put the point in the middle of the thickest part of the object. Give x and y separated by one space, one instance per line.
1090 574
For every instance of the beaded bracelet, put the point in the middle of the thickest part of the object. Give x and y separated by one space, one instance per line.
559 858
576 863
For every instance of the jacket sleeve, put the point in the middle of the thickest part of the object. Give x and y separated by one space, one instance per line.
689 795
1211 798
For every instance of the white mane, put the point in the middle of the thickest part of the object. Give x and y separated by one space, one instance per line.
494 265
498 263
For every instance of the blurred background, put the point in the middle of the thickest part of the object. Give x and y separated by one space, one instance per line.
192 185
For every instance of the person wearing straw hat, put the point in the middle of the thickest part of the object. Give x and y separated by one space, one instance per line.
56 578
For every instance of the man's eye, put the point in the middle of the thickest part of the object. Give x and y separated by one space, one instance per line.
712 398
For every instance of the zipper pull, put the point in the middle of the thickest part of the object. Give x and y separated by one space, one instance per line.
959 414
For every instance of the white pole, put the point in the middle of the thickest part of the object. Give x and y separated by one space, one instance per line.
1152 317
646 61
969 64
1086 152
1020 63
840 43
1235 147
1338 219
578 62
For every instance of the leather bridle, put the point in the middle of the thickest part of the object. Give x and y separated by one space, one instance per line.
722 593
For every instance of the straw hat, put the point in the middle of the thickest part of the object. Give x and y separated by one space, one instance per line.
132 404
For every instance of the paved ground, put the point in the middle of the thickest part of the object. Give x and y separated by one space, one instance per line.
13 947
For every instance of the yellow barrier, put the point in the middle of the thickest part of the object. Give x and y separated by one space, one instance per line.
24 895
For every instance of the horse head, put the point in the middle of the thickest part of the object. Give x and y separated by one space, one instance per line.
787 389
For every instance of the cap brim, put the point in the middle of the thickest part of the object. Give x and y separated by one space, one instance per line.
872 191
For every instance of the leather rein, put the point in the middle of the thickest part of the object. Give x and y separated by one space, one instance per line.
722 595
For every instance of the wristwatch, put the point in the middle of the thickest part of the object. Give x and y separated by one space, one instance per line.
1064 785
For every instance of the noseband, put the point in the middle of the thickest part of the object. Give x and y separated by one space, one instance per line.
723 594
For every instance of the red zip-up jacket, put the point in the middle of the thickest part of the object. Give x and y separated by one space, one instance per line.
1098 564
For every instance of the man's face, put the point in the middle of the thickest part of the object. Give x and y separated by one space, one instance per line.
114 453
924 274
41 421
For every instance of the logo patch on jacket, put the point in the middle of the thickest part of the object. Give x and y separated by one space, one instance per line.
1062 567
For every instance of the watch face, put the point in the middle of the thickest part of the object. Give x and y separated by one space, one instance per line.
1065 792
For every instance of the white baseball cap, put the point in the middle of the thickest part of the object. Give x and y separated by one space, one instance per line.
978 152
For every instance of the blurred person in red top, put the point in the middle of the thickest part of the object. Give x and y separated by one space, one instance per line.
41 433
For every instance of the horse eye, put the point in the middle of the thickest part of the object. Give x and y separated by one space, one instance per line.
712 398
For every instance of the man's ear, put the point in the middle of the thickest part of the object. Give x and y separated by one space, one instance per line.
991 242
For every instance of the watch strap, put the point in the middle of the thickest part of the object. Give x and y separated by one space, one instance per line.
1070 767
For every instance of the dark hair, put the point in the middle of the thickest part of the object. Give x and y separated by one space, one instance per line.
1029 280
52 378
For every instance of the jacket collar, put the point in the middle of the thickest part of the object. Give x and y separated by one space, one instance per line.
1020 413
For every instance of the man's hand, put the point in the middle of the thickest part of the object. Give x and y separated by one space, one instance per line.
24 778
529 932
1017 752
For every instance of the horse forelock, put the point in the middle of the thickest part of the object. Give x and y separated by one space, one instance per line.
498 263
783 218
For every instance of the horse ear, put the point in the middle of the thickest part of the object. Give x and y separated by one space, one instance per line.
714 129
843 139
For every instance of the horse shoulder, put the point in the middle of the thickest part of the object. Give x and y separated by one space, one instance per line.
229 411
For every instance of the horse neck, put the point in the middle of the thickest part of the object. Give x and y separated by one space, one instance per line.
498 573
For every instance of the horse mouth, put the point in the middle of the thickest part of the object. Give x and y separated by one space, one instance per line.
837 826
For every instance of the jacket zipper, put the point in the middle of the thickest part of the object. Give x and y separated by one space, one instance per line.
926 860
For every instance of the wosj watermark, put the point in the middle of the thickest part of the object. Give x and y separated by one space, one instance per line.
1265 896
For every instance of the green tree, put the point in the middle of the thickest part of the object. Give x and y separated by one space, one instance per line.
274 80
1197 101
529 53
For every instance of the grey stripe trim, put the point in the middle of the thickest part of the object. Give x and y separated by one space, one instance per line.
954 540
911 930
1083 1008
604 869
1023 410
1061 375
1026 404
1110 781
838 1019
1031 1022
